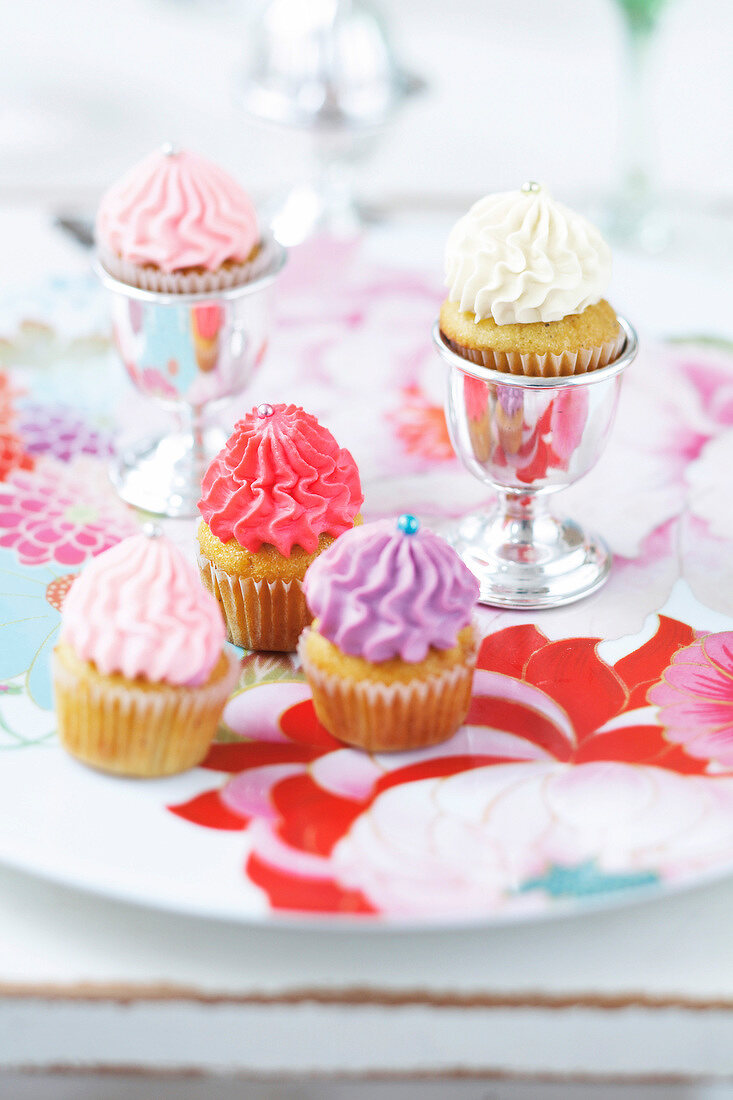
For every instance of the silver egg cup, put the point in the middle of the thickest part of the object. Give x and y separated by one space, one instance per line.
530 437
190 354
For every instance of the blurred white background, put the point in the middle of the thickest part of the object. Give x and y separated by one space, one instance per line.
516 90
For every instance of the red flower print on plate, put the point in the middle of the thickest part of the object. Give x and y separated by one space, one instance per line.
13 455
421 426
561 783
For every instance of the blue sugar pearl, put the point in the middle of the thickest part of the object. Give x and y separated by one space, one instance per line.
409 525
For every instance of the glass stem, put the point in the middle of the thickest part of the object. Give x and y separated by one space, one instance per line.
520 512
193 424
636 158
334 182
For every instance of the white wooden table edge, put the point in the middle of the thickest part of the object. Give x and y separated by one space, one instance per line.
310 1032
356 996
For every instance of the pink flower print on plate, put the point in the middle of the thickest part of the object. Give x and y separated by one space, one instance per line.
695 699
63 514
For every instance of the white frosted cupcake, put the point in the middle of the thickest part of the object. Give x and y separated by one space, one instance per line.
526 278
140 673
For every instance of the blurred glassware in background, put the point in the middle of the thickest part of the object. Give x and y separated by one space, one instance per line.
326 67
636 216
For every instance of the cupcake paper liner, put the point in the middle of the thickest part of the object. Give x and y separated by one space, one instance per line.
542 366
192 282
121 727
395 717
267 615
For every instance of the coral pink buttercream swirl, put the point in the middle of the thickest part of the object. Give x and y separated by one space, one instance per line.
175 212
379 593
281 479
139 609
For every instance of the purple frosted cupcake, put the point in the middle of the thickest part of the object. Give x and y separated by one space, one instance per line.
390 655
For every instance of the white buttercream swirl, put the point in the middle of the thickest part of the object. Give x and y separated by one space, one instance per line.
520 257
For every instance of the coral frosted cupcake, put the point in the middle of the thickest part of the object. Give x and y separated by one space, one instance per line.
274 498
526 278
391 652
140 673
178 224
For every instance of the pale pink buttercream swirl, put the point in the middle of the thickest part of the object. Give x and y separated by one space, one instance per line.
140 610
175 212
280 479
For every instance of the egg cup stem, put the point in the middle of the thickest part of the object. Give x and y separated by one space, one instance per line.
524 557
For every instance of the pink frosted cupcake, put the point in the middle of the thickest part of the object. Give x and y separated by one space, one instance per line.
140 673
178 224
391 652
274 498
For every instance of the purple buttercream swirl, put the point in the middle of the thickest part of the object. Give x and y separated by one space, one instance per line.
378 593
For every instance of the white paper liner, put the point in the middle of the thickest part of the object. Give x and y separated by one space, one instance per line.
533 365
121 727
392 717
194 282
262 614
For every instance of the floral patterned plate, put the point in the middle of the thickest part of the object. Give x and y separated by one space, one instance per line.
596 762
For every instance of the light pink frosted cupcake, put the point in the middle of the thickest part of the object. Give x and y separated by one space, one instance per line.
178 224
140 674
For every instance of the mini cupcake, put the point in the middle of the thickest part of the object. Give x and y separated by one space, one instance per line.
526 279
140 673
278 493
177 224
391 653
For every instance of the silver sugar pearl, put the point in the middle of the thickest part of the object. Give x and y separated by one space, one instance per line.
152 530
264 410
531 187
169 149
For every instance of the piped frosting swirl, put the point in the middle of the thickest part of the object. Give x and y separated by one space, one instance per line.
380 592
520 257
175 211
140 610
281 479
